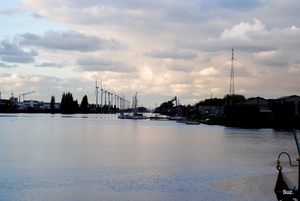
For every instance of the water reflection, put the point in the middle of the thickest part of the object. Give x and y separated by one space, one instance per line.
98 157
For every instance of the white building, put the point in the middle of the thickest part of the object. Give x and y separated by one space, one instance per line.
38 105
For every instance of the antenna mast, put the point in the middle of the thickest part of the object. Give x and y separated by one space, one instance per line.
231 88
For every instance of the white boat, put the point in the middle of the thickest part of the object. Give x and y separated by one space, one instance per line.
192 122
135 114
176 118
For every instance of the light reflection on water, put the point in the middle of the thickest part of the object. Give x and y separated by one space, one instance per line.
98 157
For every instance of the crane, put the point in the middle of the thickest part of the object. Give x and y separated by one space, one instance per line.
170 105
26 93
170 102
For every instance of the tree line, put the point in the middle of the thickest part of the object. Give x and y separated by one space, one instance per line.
68 105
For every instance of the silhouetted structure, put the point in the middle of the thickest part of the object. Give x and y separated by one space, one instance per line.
231 87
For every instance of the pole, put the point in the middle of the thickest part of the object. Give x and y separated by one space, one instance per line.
298 159
298 193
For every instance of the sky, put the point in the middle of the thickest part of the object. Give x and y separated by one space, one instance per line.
159 49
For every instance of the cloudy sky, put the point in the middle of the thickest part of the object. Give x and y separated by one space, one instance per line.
159 49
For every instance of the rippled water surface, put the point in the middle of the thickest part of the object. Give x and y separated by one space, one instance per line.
99 157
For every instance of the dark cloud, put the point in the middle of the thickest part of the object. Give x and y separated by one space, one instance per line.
4 65
213 45
108 4
11 52
91 63
69 40
151 16
37 16
17 59
273 58
170 53
51 65
242 72
8 11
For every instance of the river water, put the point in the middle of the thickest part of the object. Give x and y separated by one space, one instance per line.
99 157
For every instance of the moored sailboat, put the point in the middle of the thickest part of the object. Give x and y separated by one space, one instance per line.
135 114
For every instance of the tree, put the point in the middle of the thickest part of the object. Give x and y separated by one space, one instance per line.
210 102
84 103
231 99
164 108
52 104
75 106
67 103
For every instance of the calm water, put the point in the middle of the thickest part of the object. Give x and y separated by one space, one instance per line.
99 157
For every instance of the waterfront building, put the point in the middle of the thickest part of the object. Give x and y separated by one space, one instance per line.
294 98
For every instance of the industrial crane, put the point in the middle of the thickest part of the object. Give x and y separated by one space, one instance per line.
170 102
177 112
26 93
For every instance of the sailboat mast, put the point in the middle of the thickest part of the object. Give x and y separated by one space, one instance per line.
135 102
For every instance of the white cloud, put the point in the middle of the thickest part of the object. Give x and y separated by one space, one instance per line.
13 78
243 37
35 79
208 72
241 30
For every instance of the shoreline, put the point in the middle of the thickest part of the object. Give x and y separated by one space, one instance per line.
215 122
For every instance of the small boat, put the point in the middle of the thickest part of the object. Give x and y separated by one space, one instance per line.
135 114
192 122
176 118
158 117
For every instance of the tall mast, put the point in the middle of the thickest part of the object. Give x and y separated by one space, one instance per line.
231 88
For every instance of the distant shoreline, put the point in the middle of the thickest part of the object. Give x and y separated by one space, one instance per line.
217 121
